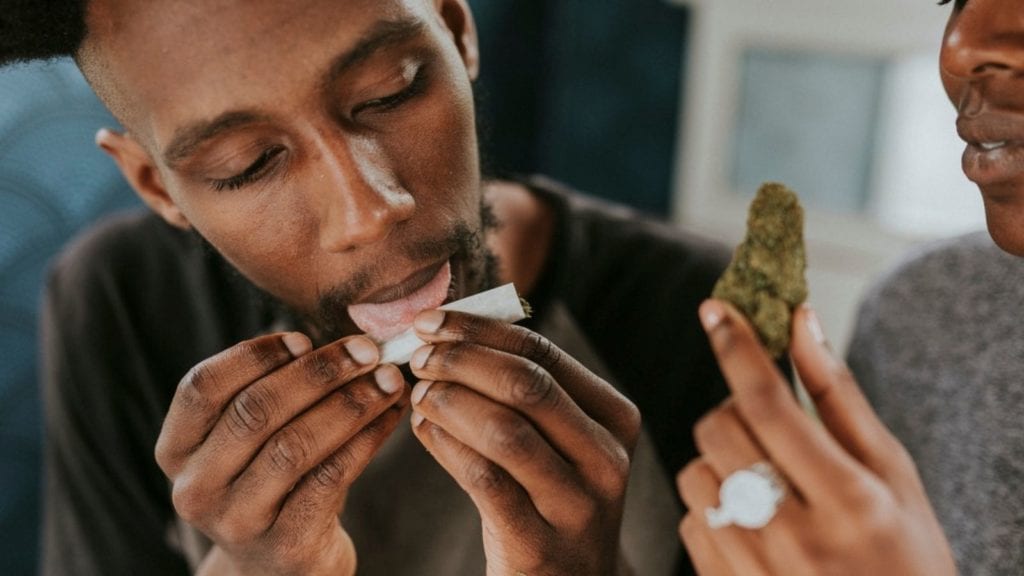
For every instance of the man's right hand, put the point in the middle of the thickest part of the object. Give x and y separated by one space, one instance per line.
262 441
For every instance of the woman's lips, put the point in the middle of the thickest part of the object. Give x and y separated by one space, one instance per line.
382 320
995 147
993 162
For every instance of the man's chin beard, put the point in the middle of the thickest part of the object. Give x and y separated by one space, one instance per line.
477 265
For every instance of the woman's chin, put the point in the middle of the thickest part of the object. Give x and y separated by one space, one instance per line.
1005 219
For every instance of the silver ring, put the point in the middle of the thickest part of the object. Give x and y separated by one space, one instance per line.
748 498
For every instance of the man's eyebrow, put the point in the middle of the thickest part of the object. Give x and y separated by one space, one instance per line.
187 139
385 33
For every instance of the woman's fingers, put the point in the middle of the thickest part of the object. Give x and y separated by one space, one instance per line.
727 446
698 484
863 510
804 451
725 442
841 405
704 555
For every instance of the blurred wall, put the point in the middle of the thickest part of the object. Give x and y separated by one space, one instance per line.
842 101
585 91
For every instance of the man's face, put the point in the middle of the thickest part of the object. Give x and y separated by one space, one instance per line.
326 148
982 67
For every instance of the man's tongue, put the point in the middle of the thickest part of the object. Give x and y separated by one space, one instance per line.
387 319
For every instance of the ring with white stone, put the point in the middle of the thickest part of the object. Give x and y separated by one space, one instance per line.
748 498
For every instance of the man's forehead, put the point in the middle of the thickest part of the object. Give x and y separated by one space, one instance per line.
198 57
166 19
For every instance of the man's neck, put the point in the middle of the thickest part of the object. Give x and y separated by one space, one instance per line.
523 237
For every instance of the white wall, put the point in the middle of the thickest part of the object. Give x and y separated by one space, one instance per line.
916 189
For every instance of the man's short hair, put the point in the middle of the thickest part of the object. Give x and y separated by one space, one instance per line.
40 29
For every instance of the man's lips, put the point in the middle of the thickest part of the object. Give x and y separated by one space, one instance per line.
410 284
390 311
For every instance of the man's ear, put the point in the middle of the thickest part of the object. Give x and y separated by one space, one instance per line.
139 170
458 18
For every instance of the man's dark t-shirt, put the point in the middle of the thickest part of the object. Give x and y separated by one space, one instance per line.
132 306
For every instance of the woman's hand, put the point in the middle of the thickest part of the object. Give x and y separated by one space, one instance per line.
854 502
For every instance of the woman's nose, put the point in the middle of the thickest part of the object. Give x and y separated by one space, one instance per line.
984 38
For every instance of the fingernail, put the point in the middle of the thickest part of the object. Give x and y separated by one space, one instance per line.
420 357
711 315
814 325
361 350
417 419
429 322
297 344
420 390
388 379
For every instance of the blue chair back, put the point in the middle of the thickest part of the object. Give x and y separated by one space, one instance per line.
53 182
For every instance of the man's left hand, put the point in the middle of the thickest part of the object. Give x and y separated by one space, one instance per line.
540 443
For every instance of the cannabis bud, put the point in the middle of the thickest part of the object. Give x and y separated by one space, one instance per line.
765 279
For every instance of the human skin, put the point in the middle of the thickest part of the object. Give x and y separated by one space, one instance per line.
856 504
328 184
347 192
982 68
540 445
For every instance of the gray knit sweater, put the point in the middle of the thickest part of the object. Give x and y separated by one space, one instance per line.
939 350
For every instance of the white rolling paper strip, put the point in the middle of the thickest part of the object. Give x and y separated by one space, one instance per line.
501 303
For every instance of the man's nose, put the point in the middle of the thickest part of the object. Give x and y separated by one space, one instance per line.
361 200
986 38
